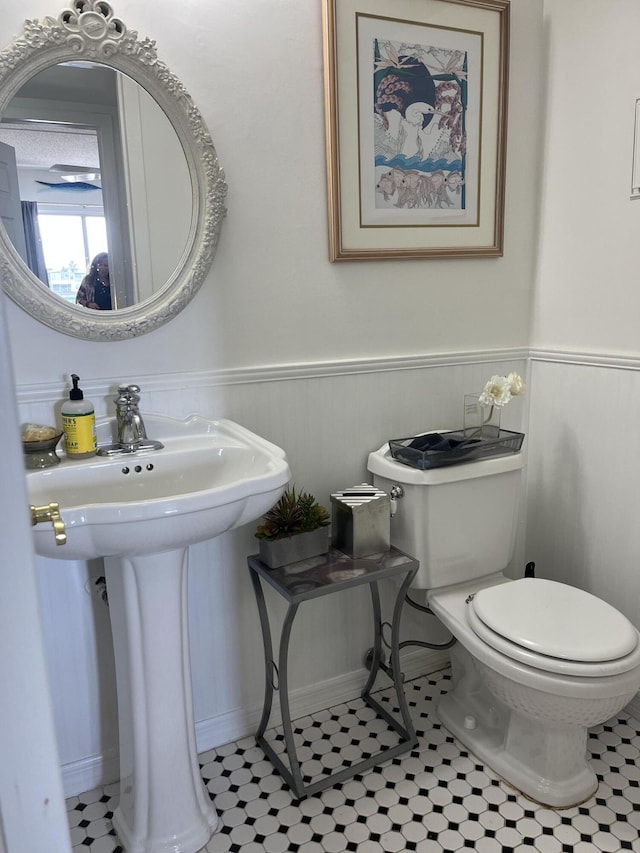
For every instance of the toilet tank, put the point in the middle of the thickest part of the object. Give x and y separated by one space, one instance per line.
459 521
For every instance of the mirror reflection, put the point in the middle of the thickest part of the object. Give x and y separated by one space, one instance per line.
152 198
99 171
95 289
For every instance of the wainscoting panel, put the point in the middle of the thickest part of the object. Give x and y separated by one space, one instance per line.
584 472
327 417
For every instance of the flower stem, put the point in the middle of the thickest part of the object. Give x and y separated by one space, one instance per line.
488 418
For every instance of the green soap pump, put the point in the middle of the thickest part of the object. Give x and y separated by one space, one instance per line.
79 424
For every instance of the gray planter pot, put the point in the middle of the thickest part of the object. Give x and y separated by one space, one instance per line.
280 552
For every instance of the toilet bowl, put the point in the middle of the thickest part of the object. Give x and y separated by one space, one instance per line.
537 662
526 712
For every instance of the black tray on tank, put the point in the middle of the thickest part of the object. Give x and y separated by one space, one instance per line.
436 449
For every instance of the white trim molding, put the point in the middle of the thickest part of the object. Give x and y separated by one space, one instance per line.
586 359
50 391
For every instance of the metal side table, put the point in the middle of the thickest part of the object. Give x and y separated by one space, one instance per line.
309 579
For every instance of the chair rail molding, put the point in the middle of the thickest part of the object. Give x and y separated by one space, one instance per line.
615 361
50 391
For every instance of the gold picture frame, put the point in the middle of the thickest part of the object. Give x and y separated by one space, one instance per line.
416 121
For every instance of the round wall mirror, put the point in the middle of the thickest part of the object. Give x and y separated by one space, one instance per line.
102 151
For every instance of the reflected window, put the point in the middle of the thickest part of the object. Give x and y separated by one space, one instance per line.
69 241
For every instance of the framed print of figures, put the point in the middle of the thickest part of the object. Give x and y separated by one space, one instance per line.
416 123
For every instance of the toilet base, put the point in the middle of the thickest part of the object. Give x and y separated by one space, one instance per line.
544 759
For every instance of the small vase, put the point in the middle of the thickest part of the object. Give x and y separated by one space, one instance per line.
280 552
480 421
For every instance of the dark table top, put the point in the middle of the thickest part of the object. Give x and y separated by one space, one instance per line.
331 572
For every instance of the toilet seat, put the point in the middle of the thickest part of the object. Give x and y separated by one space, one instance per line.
553 626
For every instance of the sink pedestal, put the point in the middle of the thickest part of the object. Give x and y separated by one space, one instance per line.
144 511
163 806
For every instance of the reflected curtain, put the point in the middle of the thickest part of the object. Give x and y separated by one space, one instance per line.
35 255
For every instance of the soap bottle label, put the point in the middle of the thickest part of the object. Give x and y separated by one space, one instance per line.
80 432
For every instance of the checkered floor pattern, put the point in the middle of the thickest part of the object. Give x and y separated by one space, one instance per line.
434 799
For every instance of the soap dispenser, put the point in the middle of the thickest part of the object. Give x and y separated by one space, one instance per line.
79 424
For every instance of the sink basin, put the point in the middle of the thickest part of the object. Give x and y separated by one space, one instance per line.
140 512
211 476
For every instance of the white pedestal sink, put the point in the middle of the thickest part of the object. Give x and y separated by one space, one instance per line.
140 512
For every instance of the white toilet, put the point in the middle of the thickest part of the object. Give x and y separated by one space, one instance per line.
536 662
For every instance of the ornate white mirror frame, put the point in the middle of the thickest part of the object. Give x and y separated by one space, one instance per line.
88 30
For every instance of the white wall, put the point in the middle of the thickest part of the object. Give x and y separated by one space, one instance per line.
255 71
585 298
584 444
328 361
584 458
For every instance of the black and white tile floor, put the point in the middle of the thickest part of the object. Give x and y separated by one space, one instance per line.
435 799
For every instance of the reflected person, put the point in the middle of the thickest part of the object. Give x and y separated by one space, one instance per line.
95 288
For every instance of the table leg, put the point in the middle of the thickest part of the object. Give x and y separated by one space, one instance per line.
283 688
268 654
407 730
395 655
276 678
377 638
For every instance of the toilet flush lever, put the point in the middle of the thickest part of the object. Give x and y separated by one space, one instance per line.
50 512
395 493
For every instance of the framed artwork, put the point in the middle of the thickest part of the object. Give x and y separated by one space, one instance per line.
416 122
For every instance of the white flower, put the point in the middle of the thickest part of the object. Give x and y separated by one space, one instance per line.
500 389
497 392
516 384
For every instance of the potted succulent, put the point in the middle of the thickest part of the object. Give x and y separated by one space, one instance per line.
293 529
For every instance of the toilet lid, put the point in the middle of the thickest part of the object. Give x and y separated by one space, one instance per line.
553 619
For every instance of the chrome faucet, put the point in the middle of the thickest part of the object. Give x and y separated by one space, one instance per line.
131 429
132 435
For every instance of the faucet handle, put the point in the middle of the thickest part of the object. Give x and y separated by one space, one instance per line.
127 395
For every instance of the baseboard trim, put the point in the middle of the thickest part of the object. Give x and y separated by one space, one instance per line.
308 700
90 773
98 770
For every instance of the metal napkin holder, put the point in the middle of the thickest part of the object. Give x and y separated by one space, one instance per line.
361 521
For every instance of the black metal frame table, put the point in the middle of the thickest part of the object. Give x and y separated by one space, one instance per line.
309 579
